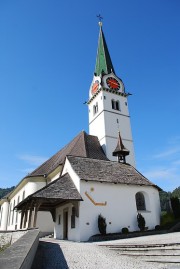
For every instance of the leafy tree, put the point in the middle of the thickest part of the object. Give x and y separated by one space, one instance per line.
164 200
176 192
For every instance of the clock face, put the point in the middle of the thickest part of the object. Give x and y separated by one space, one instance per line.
95 87
113 83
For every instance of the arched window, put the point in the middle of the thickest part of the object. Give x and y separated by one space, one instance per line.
140 201
113 104
117 105
95 108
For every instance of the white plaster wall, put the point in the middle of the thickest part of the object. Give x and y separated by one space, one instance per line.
4 215
120 210
73 233
28 188
107 122
45 221
68 169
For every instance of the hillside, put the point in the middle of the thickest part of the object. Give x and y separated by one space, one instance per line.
5 191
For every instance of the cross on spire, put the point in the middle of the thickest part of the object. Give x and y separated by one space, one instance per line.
100 19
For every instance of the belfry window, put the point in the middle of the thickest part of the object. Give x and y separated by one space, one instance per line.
140 201
95 108
115 104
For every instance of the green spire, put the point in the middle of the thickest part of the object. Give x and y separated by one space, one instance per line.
103 60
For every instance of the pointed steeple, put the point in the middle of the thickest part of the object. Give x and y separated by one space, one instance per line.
121 152
103 59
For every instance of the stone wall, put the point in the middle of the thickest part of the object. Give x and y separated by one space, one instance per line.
21 254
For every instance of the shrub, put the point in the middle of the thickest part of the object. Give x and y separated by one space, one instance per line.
102 224
125 230
167 218
141 222
175 203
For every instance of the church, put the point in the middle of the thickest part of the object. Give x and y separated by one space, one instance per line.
94 174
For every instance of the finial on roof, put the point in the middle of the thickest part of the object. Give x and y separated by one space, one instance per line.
100 19
120 151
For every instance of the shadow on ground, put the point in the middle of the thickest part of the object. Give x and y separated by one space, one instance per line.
49 255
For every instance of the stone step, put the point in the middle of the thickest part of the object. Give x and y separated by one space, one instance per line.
174 259
162 252
141 245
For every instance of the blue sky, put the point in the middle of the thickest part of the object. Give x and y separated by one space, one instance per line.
47 59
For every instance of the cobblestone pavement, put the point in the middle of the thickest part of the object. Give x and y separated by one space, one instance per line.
55 254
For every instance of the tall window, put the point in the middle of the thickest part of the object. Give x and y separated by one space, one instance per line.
1 215
23 195
140 201
13 213
17 211
9 214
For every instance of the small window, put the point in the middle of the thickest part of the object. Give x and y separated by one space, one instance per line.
73 218
140 201
59 219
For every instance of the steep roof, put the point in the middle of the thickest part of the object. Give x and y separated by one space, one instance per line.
103 59
82 145
107 171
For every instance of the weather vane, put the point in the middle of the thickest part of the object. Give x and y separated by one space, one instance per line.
100 19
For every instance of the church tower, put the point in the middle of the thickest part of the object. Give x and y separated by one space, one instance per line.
108 105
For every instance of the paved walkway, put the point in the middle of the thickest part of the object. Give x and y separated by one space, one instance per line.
59 254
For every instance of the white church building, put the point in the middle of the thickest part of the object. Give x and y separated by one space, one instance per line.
94 174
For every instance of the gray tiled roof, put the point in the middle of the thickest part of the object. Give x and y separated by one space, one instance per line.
56 192
107 171
61 188
82 145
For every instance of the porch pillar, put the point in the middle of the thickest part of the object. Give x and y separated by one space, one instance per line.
22 216
30 216
25 217
35 213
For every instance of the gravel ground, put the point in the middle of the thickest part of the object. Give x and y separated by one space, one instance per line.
55 254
